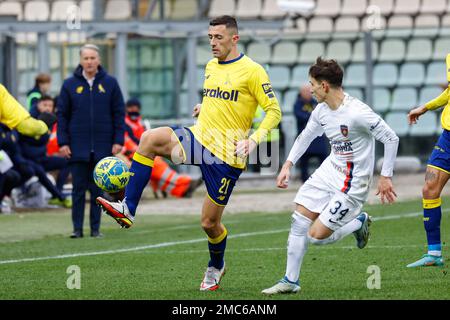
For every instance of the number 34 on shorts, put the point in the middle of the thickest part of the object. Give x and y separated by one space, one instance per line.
339 211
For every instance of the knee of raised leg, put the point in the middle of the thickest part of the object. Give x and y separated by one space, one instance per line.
209 224
430 190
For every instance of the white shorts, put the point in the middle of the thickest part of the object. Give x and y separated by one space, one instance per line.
334 207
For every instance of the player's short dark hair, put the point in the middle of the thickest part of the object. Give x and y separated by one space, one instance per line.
45 98
229 21
327 70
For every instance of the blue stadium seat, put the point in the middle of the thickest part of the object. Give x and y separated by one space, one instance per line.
392 50
385 75
279 77
355 75
289 99
341 50
412 74
260 52
359 53
429 93
310 50
398 122
404 99
381 100
441 48
426 126
355 92
436 74
419 50
285 52
300 75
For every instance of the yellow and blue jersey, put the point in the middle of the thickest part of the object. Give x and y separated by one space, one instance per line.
232 91
11 112
443 101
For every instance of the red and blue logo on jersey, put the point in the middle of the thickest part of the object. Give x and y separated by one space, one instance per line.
344 130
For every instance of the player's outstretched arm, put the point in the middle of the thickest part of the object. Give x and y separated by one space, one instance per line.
284 175
415 113
386 190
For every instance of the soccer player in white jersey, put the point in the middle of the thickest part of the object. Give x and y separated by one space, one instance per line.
328 205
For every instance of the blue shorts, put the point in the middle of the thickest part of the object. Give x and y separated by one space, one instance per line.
219 176
440 157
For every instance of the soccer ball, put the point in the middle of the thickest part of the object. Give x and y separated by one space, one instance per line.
111 174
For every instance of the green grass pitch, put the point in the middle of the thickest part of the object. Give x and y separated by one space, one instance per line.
164 257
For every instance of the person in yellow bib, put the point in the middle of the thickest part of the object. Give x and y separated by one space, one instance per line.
15 116
436 176
219 143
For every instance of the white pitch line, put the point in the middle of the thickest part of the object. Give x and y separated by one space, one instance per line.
174 243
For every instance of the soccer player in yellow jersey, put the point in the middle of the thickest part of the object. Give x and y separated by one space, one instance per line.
14 116
219 143
436 176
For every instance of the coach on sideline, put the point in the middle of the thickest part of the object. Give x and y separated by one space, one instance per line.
91 125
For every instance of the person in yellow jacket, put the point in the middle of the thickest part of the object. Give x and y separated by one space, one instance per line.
15 116
436 176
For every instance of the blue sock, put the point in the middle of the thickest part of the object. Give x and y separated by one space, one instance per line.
141 169
432 222
217 250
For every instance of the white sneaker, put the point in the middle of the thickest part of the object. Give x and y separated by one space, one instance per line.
118 210
212 278
283 286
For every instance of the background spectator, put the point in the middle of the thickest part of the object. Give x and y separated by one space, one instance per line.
42 85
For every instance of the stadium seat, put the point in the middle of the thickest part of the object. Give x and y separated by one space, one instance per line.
162 56
59 10
436 74
146 56
260 52
285 52
320 28
386 6
381 100
156 14
410 7
340 50
330 8
376 24
433 6
300 76
133 86
26 58
400 26
203 52
419 50
184 10
355 8
26 80
279 77
355 92
404 99
412 74
426 26
425 126
309 51
398 122
13 8
220 7
445 26
346 28
288 102
248 9
441 49
55 57
57 37
118 10
392 50
87 10
298 28
271 10
36 11
355 75
429 93
56 81
385 75
359 51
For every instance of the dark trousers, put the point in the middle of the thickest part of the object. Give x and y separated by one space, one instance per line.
57 163
8 181
82 181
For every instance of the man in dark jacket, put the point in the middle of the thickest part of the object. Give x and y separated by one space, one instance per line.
91 125
303 107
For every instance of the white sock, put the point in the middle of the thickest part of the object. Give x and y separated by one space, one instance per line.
340 233
297 245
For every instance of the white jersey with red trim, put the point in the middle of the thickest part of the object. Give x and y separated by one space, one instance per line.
351 130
